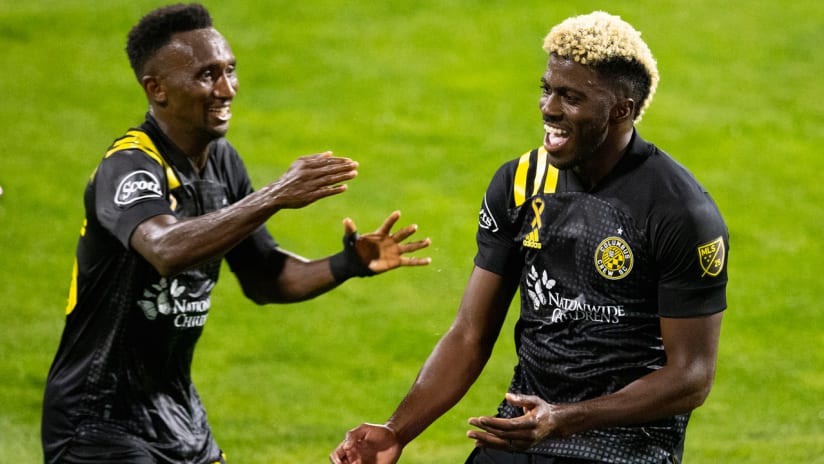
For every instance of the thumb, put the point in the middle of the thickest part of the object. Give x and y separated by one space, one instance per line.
349 226
523 401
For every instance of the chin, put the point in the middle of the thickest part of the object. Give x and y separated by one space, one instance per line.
219 131
560 162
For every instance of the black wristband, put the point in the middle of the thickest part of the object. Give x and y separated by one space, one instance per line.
347 263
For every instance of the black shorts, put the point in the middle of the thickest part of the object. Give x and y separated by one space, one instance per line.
493 456
82 451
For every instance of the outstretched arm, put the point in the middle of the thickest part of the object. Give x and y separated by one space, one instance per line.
680 386
292 278
455 363
172 245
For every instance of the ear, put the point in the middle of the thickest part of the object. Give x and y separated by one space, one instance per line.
623 110
154 88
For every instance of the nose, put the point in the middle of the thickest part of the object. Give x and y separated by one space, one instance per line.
549 105
226 86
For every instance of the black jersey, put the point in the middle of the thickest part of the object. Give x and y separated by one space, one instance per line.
122 370
597 269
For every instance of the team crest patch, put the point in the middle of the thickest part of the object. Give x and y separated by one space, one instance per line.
613 258
711 256
136 186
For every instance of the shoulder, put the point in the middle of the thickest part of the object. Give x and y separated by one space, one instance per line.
514 178
659 183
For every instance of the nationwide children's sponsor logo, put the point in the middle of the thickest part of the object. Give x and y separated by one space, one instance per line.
613 258
138 185
711 256
171 299
532 240
485 218
539 288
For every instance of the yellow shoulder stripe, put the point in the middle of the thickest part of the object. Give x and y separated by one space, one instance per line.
519 187
138 140
545 174
551 182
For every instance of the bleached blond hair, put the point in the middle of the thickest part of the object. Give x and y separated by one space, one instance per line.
611 46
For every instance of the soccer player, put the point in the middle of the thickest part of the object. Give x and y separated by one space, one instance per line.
620 256
169 201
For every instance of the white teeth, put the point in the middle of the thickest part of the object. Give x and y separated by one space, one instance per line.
555 131
223 112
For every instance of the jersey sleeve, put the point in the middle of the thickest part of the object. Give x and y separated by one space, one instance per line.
129 187
692 246
498 251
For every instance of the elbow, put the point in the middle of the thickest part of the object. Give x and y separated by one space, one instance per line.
699 389
702 393
166 263
262 294
257 297
164 267
255 293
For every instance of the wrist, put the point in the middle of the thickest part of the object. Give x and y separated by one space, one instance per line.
347 263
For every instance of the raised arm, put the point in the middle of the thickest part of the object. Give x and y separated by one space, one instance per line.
173 245
680 386
454 364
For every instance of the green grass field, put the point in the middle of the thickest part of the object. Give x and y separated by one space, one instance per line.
430 97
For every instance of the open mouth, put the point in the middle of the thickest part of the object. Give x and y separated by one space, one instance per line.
223 113
554 138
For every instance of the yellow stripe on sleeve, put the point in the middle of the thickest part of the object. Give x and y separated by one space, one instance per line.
519 186
551 183
72 302
139 140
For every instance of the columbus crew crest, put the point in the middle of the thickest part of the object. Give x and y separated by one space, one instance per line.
613 258
711 256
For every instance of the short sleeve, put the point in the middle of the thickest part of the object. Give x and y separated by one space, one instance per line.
129 188
692 250
498 251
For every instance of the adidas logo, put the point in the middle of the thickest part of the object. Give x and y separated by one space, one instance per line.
531 240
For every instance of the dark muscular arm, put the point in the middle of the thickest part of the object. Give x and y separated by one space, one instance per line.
173 245
680 386
452 367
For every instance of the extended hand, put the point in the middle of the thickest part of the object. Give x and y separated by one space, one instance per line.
518 433
311 178
382 250
368 444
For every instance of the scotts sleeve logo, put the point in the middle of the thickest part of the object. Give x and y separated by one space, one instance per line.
711 256
613 258
138 185
485 219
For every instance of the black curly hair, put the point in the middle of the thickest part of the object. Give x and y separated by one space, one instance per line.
156 29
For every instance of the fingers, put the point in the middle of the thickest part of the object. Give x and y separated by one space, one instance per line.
406 261
415 246
387 225
349 226
488 440
404 233
326 169
500 426
523 401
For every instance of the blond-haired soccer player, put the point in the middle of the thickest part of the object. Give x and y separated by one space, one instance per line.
619 254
